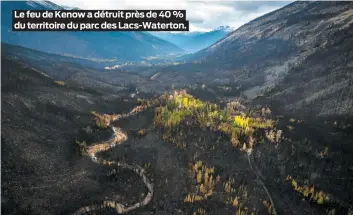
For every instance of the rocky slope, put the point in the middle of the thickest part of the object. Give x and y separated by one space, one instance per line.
323 82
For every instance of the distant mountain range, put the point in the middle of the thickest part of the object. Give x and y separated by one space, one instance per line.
178 38
120 45
195 41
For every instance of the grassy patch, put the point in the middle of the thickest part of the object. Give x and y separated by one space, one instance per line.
309 192
181 107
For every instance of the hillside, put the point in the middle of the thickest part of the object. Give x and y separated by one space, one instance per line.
108 45
322 83
41 119
302 42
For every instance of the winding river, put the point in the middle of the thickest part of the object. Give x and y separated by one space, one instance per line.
118 137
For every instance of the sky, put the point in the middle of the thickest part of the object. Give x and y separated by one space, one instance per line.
204 15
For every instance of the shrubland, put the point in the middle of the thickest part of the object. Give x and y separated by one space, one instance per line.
180 108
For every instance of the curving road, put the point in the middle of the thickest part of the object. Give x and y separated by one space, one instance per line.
118 137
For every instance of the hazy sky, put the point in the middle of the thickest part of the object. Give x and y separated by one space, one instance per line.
203 15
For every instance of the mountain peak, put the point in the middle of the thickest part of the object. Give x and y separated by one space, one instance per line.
226 28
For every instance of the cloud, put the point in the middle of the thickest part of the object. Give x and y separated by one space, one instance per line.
203 15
